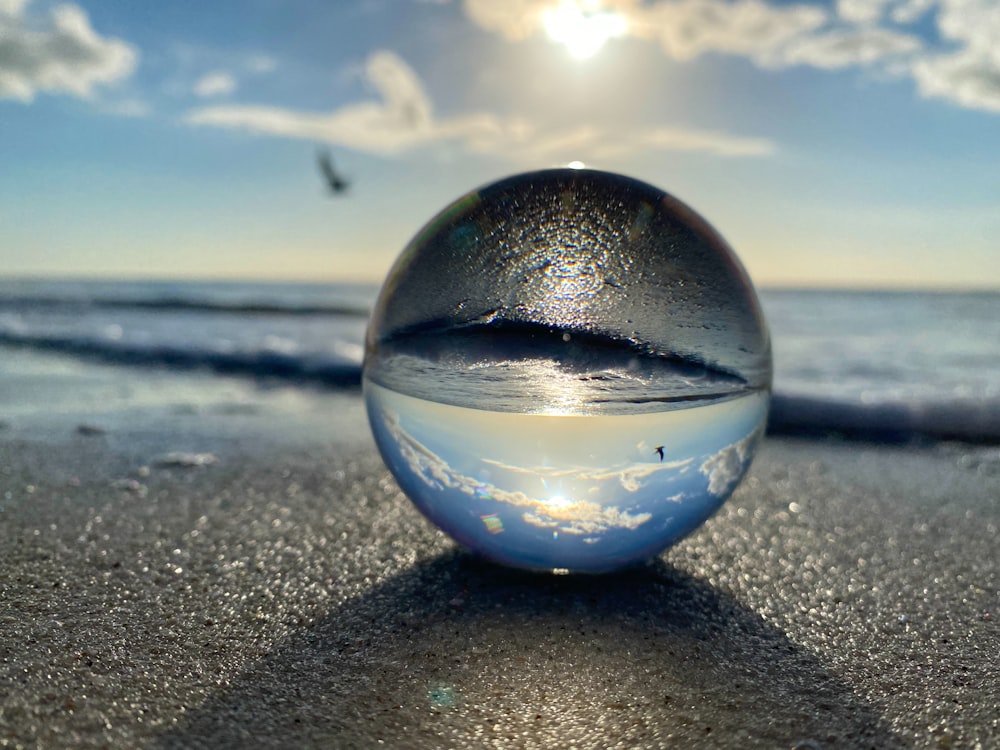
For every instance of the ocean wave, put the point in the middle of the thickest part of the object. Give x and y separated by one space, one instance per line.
180 304
325 370
973 420
796 414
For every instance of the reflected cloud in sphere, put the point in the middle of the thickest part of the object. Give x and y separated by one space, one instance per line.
567 370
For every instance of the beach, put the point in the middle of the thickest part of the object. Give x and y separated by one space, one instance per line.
517 374
196 561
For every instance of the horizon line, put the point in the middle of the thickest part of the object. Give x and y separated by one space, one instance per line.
774 286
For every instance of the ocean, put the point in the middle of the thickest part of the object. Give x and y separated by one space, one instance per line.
881 365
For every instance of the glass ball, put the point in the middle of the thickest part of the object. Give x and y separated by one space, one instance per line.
567 370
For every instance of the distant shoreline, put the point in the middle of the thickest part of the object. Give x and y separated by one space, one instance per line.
376 281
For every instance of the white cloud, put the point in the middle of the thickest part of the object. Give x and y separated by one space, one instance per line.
874 11
12 7
862 11
725 468
590 142
216 83
975 24
58 54
400 119
568 515
401 90
964 67
771 35
127 108
684 28
969 75
750 28
843 48
261 64
908 11
964 70
403 118
630 477
711 142
968 78
512 19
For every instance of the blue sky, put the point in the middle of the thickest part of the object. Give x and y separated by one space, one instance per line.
580 491
854 142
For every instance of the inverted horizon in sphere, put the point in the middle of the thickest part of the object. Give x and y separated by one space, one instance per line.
567 369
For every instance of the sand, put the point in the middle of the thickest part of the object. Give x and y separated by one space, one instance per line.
281 592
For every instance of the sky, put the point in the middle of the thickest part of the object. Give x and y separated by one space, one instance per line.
833 143
561 487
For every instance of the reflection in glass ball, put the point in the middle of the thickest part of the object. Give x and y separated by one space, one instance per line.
567 370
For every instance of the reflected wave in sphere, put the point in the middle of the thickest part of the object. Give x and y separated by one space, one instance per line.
567 370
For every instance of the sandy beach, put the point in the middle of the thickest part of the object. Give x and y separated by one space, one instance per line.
596 269
214 564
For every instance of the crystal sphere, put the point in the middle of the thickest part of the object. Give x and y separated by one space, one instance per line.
567 370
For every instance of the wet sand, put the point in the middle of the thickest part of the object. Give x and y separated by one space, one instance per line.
285 594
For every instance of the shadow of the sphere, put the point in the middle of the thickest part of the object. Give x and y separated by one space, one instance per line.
457 652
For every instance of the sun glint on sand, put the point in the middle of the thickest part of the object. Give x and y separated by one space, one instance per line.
287 594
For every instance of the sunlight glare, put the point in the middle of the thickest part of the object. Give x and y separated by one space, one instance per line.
582 30
558 502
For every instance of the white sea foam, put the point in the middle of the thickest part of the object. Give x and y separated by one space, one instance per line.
925 362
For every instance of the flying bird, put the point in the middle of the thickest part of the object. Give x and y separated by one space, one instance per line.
337 183
659 451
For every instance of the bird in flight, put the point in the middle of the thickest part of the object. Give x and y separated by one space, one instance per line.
659 451
337 183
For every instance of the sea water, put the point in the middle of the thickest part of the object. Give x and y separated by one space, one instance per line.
858 356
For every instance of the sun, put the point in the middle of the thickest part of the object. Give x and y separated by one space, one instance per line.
582 27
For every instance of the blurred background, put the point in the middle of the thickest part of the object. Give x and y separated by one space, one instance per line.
847 143
222 186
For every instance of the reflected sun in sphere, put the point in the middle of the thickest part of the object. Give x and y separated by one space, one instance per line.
544 392
582 27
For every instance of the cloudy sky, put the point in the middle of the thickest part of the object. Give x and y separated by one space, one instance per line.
852 142
556 484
